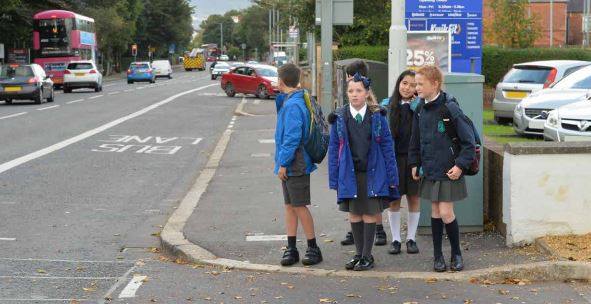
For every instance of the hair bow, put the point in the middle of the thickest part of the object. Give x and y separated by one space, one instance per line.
366 81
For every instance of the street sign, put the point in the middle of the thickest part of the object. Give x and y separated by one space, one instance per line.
134 50
463 18
243 46
293 32
586 24
18 56
342 12
1 50
171 48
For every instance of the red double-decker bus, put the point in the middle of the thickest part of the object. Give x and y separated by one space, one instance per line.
60 37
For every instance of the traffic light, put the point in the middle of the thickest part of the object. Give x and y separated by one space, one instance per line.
134 50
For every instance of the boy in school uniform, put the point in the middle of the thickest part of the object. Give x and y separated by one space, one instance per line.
293 165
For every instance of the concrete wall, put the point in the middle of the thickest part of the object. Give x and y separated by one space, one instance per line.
546 190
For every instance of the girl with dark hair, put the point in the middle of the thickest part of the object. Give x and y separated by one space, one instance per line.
402 104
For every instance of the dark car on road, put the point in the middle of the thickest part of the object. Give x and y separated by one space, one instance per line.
25 81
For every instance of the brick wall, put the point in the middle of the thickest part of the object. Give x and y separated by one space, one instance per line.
575 25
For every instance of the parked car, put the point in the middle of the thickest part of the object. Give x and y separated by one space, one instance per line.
220 69
260 80
162 68
531 113
140 71
224 58
569 123
252 62
27 81
82 74
525 78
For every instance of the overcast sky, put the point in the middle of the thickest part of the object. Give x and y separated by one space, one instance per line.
204 8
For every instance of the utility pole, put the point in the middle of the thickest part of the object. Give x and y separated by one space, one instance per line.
326 55
397 47
586 9
270 35
222 37
551 23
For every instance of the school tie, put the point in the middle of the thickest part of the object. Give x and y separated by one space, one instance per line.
358 118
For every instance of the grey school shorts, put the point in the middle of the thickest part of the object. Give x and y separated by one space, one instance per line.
296 190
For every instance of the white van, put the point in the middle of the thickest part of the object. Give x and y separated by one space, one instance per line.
162 68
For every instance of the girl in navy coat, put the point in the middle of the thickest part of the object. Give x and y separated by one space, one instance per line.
362 166
439 162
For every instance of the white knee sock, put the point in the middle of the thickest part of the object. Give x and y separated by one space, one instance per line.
413 224
394 225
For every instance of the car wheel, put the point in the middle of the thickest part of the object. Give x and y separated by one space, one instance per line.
129 82
262 92
97 88
212 77
169 76
230 90
153 81
503 120
39 98
8 101
50 98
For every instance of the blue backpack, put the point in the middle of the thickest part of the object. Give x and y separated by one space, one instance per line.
317 144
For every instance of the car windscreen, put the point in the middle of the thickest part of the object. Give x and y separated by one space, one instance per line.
527 74
80 66
578 80
267 72
140 66
15 72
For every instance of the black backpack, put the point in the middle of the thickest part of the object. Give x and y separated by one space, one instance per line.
452 133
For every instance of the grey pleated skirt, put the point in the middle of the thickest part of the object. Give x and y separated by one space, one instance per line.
443 191
363 204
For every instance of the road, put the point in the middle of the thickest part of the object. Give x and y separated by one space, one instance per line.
87 182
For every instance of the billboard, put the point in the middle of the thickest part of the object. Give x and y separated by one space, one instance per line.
463 18
429 48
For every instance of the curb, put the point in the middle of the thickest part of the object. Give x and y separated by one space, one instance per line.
174 242
543 246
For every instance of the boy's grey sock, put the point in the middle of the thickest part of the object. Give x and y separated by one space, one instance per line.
357 229
369 233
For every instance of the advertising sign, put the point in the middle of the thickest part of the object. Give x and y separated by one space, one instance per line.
87 38
463 18
18 56
429 48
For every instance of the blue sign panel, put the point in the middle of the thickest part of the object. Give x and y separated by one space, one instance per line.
462 17
87 38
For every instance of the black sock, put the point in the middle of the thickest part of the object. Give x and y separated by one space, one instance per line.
291 242
312 243
379 227
369 233
453 232
357 229
437 231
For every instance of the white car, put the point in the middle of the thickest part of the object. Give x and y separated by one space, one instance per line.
82 74
224 58
220 69
570 123
162 68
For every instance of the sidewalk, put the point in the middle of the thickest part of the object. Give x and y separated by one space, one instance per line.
244 199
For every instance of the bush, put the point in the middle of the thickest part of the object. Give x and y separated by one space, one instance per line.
496 61
369 52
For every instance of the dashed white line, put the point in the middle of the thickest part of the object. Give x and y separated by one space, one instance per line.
140 88
94 97
7 239
47 108
128 90
58 146
74 101
257 101
132 287
113 93
266 141
13 115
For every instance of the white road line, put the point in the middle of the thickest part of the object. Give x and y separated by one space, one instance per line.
257 155
94 97
59 278
132 287
113 93
111 290
266 238
47 108
266 141
7 239
257 101
58 146
13 115
128 90
140 88
74 101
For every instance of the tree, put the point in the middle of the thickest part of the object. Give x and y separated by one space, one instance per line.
511 26
251 29
211 29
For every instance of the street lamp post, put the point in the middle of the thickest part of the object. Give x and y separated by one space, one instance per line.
397 46
222 37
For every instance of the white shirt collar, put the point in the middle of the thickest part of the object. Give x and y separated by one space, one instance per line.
361 111
402 101
435 97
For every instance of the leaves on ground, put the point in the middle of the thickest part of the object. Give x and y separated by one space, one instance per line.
41 271
431 280
327 300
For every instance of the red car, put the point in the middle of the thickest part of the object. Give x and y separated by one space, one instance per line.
260 80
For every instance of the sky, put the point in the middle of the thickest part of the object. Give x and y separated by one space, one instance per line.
204 8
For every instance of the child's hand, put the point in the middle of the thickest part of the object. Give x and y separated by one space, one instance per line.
282 173
454 173
415 174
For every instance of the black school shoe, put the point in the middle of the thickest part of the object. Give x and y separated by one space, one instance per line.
351 264
348 239
313 256
411 247
290 257
364 264
394 248
456 263
381 238
439 264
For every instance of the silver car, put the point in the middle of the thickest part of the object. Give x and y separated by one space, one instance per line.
220 69
569 123
525 78
531 113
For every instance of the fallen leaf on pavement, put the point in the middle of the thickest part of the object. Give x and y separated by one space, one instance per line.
180 261
74 302
156 234
155 250
328 241
327 300
89 289
503 292
279 297
431 280
322 235
352 295
41 271
410 303
207 298
238 297
468 301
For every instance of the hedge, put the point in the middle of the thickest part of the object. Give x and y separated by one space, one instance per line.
496 61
